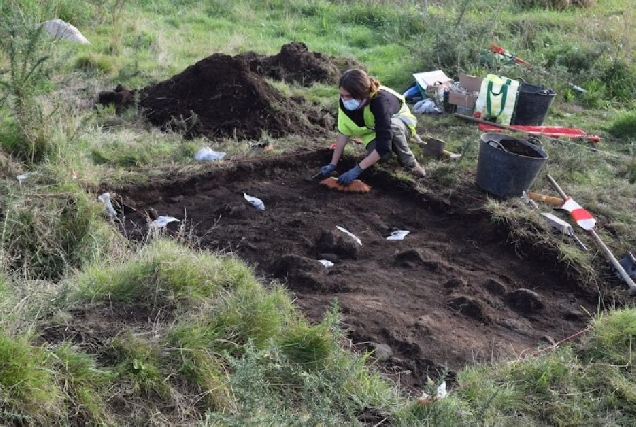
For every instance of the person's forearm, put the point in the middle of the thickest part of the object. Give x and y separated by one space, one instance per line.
341 141
370 160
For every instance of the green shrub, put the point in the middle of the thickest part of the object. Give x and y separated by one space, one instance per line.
553 4
138 366
47 234
612 338
307 345
577 59
619 78
29 145
83 384
164 273
443 44
624 126
27 389
78 13
27 58
94 63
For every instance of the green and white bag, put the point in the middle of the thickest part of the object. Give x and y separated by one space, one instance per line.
497 99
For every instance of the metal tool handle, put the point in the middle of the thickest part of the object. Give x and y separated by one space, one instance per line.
608 254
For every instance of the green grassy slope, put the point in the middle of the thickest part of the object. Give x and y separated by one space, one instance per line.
220 347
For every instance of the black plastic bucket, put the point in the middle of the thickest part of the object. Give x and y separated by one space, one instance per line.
533 103
507 166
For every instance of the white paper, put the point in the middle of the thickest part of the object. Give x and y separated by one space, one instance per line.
358 241
255 201
326 263
162 221
207 154
105 199
398 235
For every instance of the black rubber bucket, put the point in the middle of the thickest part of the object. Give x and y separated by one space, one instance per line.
533 103
507 166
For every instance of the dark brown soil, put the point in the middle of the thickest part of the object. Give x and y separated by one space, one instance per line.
295 64
225 96
452 293
517 147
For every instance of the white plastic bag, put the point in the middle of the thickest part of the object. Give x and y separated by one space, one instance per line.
207 154
426 106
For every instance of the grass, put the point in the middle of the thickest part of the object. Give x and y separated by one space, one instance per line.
212 345
29 392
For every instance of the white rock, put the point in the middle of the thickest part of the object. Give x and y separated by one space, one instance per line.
60 30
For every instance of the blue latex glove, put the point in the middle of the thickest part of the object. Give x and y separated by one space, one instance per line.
327 170
348 177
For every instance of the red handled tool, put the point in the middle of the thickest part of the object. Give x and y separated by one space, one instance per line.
586 221
503 52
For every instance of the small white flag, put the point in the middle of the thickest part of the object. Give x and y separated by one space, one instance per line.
162 221
398 235
353 236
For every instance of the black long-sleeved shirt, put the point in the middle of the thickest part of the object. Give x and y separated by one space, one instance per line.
383 106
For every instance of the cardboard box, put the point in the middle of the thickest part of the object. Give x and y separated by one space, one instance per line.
462 100
470 83
469 86
432 84
432 78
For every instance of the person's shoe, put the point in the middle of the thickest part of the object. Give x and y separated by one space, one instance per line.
417 170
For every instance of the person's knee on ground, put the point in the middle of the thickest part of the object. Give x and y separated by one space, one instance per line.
401 135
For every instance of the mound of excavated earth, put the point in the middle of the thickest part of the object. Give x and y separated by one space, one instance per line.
225 96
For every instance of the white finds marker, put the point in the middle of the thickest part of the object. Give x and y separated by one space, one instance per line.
105 199
326 263
255 201
353 236
162 221
398 235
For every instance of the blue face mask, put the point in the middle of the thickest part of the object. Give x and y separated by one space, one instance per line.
351 104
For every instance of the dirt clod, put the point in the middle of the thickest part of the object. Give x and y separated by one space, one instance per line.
525 300
495 287
455 282
296 64
470 307
334 242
